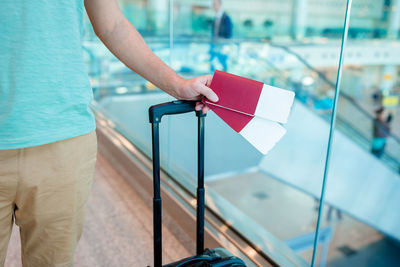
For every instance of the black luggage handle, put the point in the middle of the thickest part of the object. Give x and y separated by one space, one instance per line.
170 108
155 114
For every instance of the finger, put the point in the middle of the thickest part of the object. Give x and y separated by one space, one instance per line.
199 97
208 79
199 106
205 109
207 92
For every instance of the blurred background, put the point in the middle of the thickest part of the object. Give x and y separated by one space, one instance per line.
273 200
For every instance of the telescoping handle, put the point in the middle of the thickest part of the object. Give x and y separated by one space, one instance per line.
155 114
170 108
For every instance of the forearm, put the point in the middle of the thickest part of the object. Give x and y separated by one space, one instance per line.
122 39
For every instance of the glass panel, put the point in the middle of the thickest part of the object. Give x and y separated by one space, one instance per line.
272 199
361 214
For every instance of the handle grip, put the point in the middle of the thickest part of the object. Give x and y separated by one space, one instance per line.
155 114
175 107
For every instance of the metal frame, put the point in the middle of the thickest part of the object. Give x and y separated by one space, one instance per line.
332 129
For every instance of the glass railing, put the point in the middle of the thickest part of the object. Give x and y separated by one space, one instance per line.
119 98
271 200
123 83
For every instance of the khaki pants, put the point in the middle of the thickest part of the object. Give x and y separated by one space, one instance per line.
45 189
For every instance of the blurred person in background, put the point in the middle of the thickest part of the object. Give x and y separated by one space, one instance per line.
48 142
381 130
221 30
222 24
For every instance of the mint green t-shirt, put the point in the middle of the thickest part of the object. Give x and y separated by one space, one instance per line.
44 87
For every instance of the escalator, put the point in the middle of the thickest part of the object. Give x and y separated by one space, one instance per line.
359 126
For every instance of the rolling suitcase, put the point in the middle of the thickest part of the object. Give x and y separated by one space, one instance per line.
218 257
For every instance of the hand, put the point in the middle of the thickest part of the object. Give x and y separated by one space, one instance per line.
195 89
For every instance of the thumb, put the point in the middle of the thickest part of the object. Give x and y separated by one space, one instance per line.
208 93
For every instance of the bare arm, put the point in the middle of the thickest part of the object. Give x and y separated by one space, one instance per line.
124 41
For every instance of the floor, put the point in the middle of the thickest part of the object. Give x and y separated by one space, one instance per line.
118 227
288 213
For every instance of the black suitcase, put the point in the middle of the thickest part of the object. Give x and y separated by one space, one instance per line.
218 257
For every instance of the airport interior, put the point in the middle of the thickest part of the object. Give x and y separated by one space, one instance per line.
266 209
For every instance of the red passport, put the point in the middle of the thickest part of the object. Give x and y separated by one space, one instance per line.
251 108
